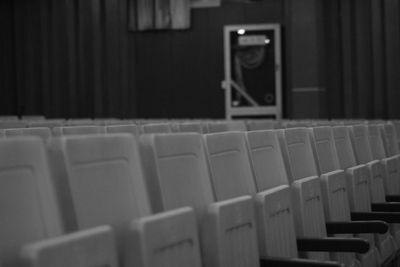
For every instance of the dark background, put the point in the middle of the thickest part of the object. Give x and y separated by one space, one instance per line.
71 58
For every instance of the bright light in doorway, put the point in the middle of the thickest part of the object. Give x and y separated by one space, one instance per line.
241 31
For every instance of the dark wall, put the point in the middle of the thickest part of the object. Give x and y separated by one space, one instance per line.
179 73
72 58
67 58
363 58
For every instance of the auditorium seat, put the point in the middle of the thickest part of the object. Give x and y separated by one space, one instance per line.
2 134
226 126
390 164
29 210
128 128
254 125
78 130
232 176
99 181
191 127
92 247
396 124
46 123
79 122
8 117
177 175
311 197
335 188
174 231
33 117
156 128
42 132
390 139
11 124
360 187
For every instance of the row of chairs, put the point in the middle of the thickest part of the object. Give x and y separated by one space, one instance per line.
293 178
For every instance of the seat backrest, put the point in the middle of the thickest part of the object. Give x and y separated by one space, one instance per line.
273 202
226 126
165 239
305 183
129 128
299 153
177 175
191 127
79 122
156 128
266 158
344 148
390 139
46 123
28 206
324 149
95 174
43 133
93 247
230 167
78 130
376 141
11 124
176 171
360 142
257 125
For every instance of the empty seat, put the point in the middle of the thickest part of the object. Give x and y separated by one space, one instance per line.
191 127
390 163
11 124
307 192
335 188
128 128
79 122
46 123
29 210
226 126
33 117
43 133
232 176
165 239
361 182
255 125
78 130
177 175
92 247
100 181
156 128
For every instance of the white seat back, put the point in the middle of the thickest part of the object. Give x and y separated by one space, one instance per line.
230 168
102 172
43 133
92 247
28 206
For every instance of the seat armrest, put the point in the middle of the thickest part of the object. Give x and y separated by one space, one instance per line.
357 227
388 217
284 262
386 206
333 244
